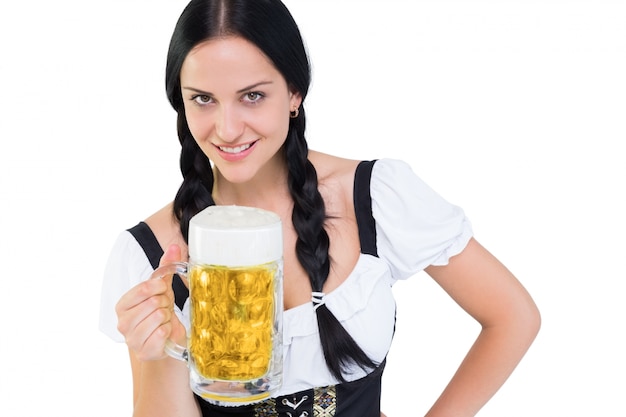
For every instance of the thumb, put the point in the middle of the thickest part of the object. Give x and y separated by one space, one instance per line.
172 254
167 264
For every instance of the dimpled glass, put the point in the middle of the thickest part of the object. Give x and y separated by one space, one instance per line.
232 315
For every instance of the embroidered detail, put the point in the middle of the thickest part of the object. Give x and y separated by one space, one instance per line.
266 409
318 299
325 402
324 405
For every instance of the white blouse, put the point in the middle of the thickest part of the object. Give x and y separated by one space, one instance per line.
415 228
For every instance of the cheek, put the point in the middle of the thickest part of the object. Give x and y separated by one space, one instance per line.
274 123
199 125
271 127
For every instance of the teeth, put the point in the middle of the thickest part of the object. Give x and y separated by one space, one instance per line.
234 150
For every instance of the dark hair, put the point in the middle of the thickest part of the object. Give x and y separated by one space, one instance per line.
268 25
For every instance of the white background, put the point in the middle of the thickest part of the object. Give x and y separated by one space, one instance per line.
514 110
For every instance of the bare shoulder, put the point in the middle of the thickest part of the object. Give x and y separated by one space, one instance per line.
165 227
333 169
336 180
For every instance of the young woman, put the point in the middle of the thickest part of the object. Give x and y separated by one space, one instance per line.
237 75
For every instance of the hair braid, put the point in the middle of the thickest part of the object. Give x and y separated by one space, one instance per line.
312 249
194 193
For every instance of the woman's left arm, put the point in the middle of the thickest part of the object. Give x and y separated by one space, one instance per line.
510 320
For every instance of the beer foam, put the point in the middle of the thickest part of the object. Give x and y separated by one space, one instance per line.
229 217
235 236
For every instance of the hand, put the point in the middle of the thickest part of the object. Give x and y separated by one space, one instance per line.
146 315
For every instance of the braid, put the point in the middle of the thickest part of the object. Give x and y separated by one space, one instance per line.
194 193
340 349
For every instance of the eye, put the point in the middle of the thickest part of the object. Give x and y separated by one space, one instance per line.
253 97
201 99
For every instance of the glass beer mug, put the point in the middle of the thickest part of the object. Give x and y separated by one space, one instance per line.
234 342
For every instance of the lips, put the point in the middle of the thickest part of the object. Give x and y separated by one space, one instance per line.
236 153
236 149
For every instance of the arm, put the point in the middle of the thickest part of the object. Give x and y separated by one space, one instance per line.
146 319
161 388
510 320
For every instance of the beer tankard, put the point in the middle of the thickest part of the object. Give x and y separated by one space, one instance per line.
235 271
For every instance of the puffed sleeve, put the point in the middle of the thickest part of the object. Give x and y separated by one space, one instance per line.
415 226
127 265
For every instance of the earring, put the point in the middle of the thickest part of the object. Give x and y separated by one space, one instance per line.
294 113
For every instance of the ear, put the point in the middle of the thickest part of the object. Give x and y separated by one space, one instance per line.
295 99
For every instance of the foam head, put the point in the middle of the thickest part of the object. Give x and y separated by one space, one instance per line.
235 236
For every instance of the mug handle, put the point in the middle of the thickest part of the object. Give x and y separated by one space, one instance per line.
173 349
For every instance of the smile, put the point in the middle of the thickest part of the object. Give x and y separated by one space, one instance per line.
236 149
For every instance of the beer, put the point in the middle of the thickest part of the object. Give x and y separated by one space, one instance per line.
232 311
234 343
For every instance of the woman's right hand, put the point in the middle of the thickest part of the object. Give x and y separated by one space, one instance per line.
146 315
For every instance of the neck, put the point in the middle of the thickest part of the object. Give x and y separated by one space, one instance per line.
267 190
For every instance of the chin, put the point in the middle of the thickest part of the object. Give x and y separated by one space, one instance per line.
241 175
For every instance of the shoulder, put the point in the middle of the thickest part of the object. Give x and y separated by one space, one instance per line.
166 228
336 180
332 168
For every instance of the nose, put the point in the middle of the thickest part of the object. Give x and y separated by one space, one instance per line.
229 125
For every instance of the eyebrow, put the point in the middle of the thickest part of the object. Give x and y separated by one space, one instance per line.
243 90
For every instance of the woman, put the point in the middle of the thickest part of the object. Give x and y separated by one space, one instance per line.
237 75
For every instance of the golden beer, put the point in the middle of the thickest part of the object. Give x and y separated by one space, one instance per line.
234 347
232 317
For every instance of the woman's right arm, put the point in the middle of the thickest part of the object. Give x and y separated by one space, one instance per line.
161 388
146 318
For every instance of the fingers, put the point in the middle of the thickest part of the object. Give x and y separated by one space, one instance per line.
144 318
146 312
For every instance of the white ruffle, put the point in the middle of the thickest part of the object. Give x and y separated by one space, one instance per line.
415 226
348 300
363 304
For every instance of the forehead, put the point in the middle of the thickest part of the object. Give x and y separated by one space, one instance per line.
226 60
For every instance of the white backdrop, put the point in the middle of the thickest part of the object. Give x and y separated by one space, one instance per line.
514 110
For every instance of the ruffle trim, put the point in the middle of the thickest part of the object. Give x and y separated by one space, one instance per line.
346 301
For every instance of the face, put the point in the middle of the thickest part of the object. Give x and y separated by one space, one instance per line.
237 106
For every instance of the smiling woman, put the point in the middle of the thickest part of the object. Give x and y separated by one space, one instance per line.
238 75
235 102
